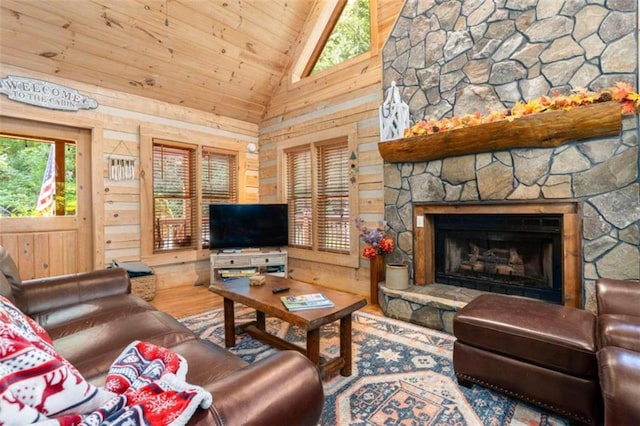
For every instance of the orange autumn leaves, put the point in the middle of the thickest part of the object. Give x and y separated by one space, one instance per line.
621 92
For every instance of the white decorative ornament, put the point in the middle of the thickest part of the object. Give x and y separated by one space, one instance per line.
394 115
251 147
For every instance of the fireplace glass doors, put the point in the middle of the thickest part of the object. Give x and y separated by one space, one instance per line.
511 254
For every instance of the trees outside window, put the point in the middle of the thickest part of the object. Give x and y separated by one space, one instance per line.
348 34
38 177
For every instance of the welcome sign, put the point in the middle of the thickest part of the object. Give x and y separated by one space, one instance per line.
44 94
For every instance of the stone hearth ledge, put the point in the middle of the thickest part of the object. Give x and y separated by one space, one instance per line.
432 306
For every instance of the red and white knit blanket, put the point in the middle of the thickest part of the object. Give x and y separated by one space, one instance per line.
146 384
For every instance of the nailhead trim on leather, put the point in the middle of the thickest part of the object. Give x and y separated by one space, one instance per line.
525 398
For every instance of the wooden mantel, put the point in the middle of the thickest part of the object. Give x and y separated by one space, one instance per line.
543 130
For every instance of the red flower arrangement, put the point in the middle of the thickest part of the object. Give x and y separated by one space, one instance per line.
378 243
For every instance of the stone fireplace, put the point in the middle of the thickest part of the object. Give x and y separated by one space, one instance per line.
462 56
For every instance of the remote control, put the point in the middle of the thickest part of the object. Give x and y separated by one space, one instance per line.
279 289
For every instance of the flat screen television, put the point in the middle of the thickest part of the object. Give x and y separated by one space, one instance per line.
237 226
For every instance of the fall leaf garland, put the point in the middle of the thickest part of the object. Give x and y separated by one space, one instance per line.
621 92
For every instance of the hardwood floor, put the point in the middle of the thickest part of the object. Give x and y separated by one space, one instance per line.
184 301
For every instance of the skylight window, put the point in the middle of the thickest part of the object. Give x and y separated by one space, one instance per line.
347 35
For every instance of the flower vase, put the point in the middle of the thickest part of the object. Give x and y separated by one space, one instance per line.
376 274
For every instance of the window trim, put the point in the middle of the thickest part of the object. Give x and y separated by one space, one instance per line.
177 137
315 139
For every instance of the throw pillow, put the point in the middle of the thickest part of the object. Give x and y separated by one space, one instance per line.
36 383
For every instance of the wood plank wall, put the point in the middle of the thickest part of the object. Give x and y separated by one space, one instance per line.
350 95
115 128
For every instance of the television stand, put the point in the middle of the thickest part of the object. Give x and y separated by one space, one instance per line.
225 265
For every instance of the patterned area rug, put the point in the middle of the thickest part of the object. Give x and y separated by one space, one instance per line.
402 374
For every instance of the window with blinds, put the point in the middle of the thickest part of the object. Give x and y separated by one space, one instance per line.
319 219
219 183
174 197
299 197
333 198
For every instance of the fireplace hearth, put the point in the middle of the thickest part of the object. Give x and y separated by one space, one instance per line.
510 254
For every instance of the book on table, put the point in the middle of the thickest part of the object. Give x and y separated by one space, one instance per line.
306 301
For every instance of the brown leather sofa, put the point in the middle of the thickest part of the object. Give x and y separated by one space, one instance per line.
92 317
582 366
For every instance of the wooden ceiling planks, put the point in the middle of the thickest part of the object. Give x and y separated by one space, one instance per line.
81 65
221 57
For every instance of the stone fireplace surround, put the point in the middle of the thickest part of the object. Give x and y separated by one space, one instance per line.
594 184
462 56
599 178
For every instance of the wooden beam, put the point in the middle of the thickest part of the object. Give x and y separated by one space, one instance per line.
544 130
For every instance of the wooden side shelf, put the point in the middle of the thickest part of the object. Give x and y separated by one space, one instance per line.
544 130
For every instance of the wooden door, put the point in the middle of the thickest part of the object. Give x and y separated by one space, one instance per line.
59 244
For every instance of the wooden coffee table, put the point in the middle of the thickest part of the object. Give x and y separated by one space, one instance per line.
266 303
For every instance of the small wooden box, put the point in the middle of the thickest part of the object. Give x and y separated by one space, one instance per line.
257 280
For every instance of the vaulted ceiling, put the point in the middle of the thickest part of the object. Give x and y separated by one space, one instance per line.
222 56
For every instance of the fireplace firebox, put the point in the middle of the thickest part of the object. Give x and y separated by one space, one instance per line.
528 248
519 254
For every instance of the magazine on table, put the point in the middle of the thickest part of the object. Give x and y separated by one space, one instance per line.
306 301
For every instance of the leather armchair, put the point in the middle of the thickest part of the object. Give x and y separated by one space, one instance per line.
618 337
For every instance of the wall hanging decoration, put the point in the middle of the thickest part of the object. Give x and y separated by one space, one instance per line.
121 167
394 115
353 168
44 94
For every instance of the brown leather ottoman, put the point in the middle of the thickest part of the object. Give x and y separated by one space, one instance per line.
541 353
